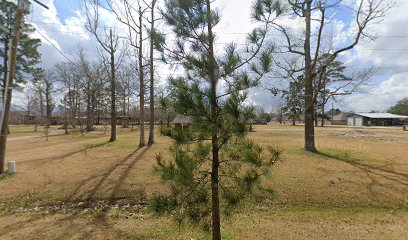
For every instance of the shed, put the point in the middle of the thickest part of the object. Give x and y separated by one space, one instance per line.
181 122
340 119
256 121
375 119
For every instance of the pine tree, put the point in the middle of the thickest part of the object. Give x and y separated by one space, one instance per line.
214 166
400 108
28 56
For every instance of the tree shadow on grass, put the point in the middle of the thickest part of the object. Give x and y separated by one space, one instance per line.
358 164
71 224
70 154
125 173
91 195
374 173
17 225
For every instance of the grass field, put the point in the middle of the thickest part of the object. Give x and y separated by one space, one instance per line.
82 187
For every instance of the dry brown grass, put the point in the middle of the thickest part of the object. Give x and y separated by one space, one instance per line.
356 188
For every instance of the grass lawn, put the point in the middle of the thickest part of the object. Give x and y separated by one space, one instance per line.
82 187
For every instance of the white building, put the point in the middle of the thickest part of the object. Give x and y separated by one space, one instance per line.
375 119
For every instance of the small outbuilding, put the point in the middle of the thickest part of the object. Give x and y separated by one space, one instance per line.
375 119
340 119
181 122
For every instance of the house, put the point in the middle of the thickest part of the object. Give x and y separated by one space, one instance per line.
375 119
340 119
181 122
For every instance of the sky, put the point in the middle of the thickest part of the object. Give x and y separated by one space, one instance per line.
61 29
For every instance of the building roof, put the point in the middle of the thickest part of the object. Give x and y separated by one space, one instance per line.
382 115
181 119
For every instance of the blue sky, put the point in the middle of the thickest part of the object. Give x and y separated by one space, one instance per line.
66 8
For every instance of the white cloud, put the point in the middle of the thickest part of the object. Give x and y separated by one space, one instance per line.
383 96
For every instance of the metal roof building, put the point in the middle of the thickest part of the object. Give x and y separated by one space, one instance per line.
375 119
181 121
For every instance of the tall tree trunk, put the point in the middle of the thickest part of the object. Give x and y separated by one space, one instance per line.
89 123
142 142
65 118
91 114
47 108
151 123
41 102
216 221
113 91
309 103
124 120
323 116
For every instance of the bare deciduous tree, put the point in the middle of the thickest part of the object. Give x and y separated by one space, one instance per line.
309 46
110 43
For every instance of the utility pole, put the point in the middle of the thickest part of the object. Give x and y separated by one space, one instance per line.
22 9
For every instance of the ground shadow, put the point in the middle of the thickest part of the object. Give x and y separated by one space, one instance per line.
125 173
61 157
374 173
356 163
91 195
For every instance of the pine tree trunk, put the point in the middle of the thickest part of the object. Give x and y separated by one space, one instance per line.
151 123
216 221
309 102
142 142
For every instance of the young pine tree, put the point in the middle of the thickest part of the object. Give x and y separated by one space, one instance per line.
214 165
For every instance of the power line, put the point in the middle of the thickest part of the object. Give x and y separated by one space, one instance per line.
243 44
52 44
217 32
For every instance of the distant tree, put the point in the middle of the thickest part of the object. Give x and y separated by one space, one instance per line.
29 103
93 79
214 165
109 43
401 108
294 97
70 79
44 83
335 81
127 81
132 13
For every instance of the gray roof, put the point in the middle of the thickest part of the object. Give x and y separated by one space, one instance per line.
181 119
382 115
